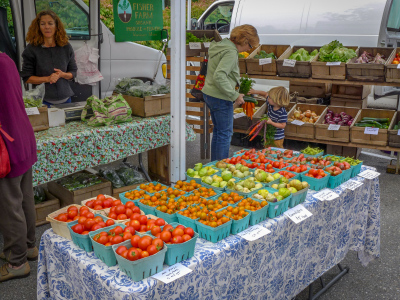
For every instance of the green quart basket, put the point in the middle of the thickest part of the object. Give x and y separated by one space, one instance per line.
356 170
316 184
212 234
169 218
240 225
148 210
124 199
187 222
298 197
277 208
347 174
259 215
335 181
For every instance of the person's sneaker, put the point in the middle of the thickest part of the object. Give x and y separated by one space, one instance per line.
7 273
32 254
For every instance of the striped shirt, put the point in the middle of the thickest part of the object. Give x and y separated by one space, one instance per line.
278 116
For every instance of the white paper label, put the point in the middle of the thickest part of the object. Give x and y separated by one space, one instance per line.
371 130
32 111
333 63
172 273
353 184
289 62
326 195
398 132
369 174
265 61
206 44
297 122
298 213
398 66
254 233
333 127
239 115
193 46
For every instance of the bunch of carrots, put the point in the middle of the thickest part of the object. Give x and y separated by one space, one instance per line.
248 109
269 131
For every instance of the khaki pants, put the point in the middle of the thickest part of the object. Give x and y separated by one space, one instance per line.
277 144
17 217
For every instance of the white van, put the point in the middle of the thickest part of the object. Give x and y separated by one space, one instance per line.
374 23
117 60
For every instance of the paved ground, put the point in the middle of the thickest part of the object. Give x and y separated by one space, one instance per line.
380 280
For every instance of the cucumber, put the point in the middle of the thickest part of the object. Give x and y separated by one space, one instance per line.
380 120
250 99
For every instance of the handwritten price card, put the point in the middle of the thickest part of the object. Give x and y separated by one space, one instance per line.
369 174
353 184
254 233
172 273
326 195
298 214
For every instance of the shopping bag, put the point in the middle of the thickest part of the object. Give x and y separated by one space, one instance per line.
5 166
107 111
200 80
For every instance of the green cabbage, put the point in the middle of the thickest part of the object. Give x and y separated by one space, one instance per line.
334 51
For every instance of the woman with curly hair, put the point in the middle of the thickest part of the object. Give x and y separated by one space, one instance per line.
49 58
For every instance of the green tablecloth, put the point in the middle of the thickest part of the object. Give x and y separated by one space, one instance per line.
65 150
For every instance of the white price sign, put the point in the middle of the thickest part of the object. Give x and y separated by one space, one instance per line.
206 44
398 66
333 127
333 63
289 62
254 233
172 273
297 122
194 46
326 195
398 132
298 213
369 174
353 184
239 115
32 111
371 130
265 61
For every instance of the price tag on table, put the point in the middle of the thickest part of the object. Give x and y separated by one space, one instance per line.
352 184
297 122
172 273
32 111
298 213
254 233
265 61
333 63
333 127
369 174
193 46
239 115
206 44
289 63
326 195
371 130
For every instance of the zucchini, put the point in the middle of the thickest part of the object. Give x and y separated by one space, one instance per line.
380 120
367 125
250 99
396 127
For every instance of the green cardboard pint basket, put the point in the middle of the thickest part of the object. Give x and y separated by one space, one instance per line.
212 234
187 222
124 199
316 184
169 218
258 215
240 225
335 181
356 170
148 210
298 197
277 208
347 174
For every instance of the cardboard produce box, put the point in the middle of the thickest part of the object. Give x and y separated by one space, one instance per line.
362 103
253 65
329 70
310 89
307 130
149 106
394 137
195 49
341 135
369 71
393 70
41 121
301 68
357 134
356 92
68 197
45 208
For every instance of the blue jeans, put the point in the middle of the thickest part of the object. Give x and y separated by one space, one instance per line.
48 103
222 118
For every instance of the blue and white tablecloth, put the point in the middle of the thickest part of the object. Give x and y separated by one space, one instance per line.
276 266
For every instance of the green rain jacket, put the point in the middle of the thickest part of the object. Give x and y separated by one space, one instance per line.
222 71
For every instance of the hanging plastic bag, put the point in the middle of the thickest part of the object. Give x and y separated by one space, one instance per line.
34 97
86 59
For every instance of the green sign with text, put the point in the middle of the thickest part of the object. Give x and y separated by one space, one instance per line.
137 20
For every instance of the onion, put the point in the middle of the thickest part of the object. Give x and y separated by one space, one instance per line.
332 122
336 115
330 112
343 114
341 123
336 119
350 122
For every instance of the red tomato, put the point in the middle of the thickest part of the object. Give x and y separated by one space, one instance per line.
98 219
135 224
168 228
135 240
120 250
112 209
78 228
116 202
82 220
90 215
160 222
135 209
102 240
76 218
177 239
118 230
122 217
158 243
110 222
158 235
166 236
152 249
125 254
112 215
144 243
96 227
127 236
133 254
189 231
97 203
98 207
130 229
144 254
177 231
135 216
107 203
72 208
72 214
89 224
155 230
120 209
100 197
143 220
143 228
63 217
129 204
116 240
181 227
186 237
85 232
128 212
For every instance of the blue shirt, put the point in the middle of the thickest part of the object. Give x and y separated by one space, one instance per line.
278 116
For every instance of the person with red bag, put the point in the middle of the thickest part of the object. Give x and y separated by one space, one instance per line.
17 205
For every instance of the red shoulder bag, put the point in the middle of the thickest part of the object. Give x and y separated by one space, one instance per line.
5 167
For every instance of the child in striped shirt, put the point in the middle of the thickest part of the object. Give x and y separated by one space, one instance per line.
277 99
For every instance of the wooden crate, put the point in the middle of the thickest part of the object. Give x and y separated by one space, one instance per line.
150 105
381 139
310 89
393 71
40 122
343 151
45 208
242 66
201 33
301 69
369 72
322 70
76 197
158 164
349 102
116 192
306 130
356 92
394 138
253 65
341 135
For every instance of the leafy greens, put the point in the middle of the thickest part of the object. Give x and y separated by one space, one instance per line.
334 51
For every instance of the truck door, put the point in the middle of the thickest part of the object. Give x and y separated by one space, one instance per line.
81 22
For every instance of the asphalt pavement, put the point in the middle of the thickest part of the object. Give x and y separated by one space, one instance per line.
379 280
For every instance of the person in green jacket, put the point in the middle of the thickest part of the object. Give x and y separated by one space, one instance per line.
222 81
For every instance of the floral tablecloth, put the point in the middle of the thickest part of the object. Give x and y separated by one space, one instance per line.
276 266
65 150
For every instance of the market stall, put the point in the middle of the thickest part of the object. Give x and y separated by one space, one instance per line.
277 265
